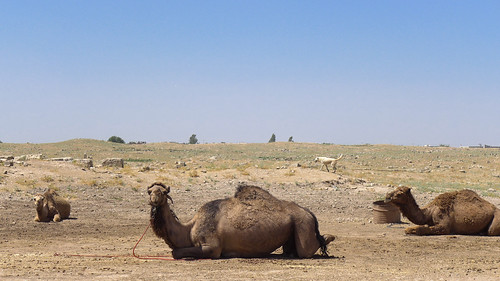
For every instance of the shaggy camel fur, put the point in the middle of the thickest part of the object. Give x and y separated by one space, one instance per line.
253 223
325 161
51 206
457 212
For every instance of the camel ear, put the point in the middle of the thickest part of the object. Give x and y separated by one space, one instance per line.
167 189
406 190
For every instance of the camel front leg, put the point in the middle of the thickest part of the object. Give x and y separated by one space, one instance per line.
427 230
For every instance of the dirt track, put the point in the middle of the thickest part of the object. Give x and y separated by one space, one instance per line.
107 222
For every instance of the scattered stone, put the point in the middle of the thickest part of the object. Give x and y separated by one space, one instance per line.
6 157
113 162
179 164
145 169
62 159
85 163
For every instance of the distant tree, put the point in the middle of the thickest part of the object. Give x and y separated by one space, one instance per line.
290 139
116 139
273 138
193 139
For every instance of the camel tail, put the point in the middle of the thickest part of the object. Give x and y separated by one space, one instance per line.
322 242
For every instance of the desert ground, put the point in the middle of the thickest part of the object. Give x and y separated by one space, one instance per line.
110 211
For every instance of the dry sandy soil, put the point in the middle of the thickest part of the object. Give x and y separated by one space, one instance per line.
107 222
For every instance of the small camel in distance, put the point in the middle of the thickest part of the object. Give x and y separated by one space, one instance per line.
457 212
51 207
253 223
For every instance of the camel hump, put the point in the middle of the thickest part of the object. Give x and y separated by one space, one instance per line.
50 192
250 193
447 200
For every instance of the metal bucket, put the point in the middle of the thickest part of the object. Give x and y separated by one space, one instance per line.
385 212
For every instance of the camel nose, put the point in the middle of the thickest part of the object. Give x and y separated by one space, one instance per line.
153 200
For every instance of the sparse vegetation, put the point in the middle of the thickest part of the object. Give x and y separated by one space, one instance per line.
47 179
27 183
140 160
426 168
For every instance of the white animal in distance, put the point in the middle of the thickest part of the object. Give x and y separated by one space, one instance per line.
325 161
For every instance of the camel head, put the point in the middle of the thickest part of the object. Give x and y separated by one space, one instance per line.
399 196
39 200
158 194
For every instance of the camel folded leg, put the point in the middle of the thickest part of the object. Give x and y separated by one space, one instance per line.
203 252
57 217
428 230
494 229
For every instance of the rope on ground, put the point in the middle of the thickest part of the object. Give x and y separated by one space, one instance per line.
166 258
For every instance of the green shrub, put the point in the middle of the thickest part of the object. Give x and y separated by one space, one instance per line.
273 138
193 139
116 139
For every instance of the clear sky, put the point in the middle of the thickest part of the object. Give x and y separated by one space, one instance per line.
345 72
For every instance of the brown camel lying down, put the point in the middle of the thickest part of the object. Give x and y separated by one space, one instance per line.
457 212
253 223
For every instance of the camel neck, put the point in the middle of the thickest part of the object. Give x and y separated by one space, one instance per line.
42 211
167 226
412 211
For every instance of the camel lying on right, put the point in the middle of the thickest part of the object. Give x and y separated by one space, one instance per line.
457 212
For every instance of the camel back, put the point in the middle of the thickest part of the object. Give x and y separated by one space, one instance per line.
247 193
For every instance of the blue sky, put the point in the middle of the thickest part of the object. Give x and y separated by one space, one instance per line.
345 72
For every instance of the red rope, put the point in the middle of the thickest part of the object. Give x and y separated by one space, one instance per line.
148 257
